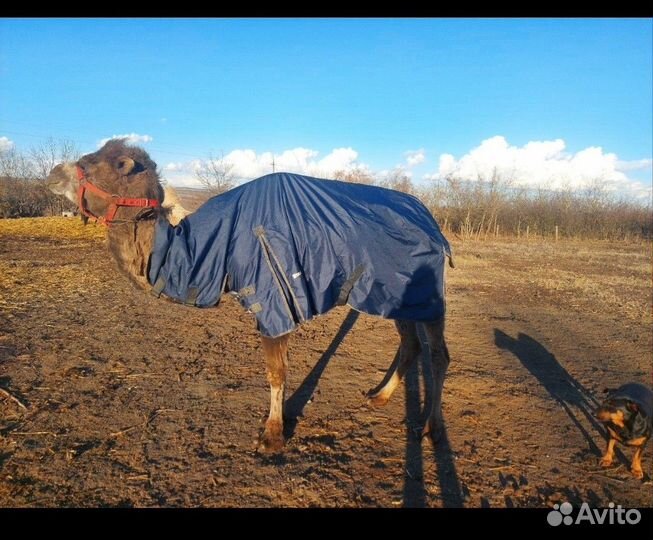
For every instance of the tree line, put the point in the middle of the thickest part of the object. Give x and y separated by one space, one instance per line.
479 208
485 208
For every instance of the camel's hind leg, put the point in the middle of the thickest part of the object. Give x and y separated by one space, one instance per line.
440 362
276 359
408 350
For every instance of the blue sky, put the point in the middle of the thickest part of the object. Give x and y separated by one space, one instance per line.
434 96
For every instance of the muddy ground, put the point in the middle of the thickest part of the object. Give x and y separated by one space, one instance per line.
132 401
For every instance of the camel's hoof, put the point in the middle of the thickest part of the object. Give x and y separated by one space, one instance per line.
271 441
269 445
377 399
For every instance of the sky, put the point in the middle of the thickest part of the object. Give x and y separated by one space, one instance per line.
555 103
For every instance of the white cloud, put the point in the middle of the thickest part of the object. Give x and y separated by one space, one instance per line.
415 157
174 166
6 144
400 170
635 165
248 164
544 164
132 138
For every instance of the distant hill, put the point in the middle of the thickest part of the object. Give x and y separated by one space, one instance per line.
192 198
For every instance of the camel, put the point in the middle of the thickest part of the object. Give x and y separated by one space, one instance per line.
305 255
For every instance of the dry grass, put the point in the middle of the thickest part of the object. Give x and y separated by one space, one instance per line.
51 227
24 283
586 275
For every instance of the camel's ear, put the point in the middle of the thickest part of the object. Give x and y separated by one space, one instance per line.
125 165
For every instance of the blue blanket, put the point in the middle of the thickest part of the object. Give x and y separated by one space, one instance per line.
292 247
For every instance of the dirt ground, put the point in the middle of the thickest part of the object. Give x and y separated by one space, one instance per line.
115 398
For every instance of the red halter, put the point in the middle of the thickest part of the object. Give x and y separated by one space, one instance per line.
115 201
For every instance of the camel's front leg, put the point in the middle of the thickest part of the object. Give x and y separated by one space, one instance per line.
276 360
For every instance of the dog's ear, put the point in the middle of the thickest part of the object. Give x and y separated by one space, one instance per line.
632 407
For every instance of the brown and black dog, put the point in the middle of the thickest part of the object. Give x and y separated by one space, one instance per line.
627 413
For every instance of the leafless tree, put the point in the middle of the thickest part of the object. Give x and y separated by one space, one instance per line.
50 153
399 180
13 164
217 175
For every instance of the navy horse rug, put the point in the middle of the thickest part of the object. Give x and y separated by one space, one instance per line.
292 247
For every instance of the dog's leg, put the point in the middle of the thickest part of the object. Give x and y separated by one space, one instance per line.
440 361
409 349
636 464
276 359
607 458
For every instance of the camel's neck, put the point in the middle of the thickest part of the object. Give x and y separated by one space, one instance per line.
131 245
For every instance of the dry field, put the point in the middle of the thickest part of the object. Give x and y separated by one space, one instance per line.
113 398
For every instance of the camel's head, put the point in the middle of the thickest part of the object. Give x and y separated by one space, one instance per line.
116 169
63 180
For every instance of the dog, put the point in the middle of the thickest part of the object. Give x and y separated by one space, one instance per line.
627 413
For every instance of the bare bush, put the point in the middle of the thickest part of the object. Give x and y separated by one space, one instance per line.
481 208
25 198
216 175
356 175
399 180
